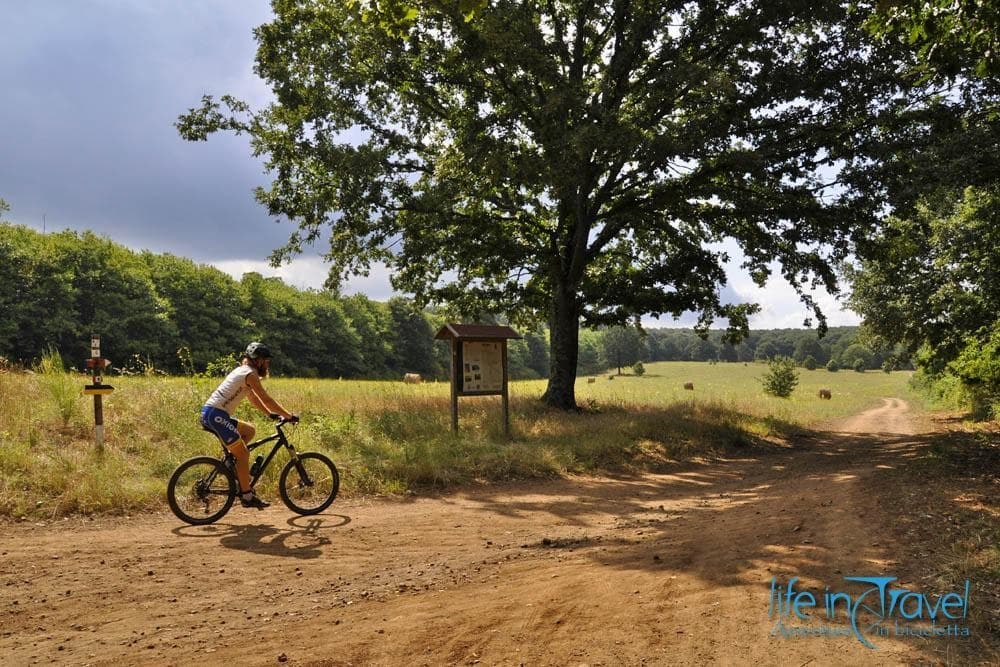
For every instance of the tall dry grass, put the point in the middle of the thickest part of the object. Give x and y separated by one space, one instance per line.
388 437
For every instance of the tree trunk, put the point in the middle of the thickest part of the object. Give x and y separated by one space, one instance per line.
564 346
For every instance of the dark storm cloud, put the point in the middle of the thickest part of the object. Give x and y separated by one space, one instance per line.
90 92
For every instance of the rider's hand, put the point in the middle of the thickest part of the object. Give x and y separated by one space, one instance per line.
294 419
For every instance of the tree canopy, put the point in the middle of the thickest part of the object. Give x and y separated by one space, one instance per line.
171 314
931 281
927 279
185 317
951 38
565 160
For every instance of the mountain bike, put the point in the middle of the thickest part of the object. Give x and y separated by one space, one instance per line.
202 489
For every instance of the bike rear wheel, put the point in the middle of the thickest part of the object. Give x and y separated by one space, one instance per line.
201 490
309 485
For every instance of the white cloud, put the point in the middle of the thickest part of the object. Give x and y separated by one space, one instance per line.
310 272
781 307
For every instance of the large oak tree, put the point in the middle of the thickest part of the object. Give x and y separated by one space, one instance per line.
573 161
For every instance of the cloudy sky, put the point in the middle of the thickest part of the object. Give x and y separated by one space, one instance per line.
90 90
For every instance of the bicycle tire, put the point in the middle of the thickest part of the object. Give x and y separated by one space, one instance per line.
314 496
201 482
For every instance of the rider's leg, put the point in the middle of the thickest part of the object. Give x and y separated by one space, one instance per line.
246 429
239 450
242 454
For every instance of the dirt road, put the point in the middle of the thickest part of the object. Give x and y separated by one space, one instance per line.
658 569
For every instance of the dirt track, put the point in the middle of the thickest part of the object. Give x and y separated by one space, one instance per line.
659 569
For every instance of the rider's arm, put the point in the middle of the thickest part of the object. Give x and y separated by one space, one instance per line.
261 400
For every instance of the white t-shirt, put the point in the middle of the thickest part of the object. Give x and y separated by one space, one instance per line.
232 390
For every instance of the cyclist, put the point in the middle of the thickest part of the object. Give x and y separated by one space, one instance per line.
216 416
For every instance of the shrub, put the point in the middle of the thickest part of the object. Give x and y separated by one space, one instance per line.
978 368
833 366
809 363
221 366
638 368
860 366
781 377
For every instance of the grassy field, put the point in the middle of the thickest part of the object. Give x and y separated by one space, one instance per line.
737 386
389 437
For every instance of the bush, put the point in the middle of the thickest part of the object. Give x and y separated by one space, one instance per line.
978 368
638 368
833 366
860 366
781 377
809 363
221 366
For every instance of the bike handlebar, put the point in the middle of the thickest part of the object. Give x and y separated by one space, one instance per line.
294 419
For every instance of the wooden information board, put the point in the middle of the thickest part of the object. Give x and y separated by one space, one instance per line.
478 364
482 366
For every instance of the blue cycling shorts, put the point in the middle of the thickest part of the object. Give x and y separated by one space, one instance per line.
220 423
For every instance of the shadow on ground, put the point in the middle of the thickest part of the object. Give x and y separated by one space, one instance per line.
820 506
305 537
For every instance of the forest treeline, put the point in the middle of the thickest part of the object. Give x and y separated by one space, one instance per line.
171 314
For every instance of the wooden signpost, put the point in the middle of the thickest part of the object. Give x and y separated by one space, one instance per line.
98 389
478 364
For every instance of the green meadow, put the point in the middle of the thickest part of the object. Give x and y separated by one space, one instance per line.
395 438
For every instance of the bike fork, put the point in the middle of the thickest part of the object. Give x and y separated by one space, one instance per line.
303 475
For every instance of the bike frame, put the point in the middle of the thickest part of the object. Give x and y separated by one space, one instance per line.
282 441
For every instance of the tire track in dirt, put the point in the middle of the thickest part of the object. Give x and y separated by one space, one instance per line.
660 569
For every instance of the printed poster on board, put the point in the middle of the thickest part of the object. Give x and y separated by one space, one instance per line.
482 367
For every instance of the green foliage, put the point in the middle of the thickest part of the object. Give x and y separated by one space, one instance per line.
204 306
589 359
945 139
569 162
221 366
767 351
950 37
622 346
857 355
371 322
978 368
781 377
638 369
204 319
859 365
832 366
528 358
928 283
168 314
412 340
810 363
700 349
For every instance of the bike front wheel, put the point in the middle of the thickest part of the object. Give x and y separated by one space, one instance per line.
308 485
201 490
